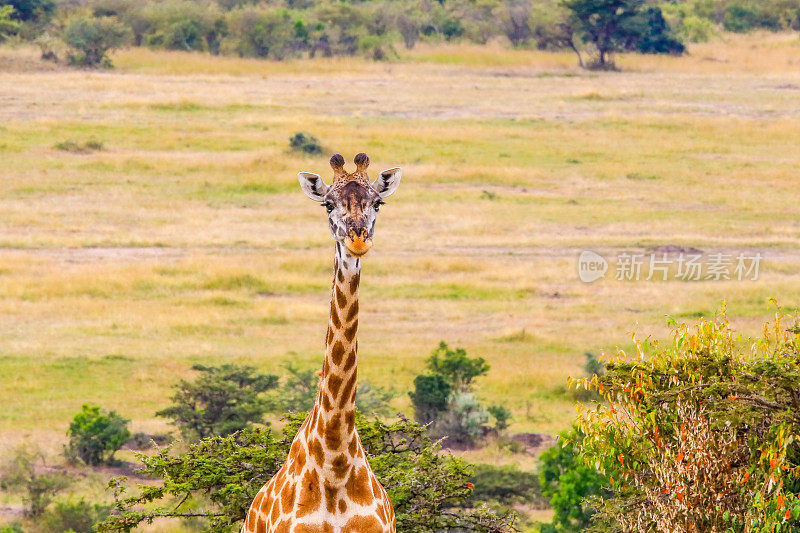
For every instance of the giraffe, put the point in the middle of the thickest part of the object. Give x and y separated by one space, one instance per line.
326 484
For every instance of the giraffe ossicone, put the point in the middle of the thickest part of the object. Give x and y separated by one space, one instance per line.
326 484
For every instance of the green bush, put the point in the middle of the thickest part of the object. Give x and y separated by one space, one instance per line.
567 482
746 16
185 25
93 38
342 26
95 435
222 400
429 397
130 12
444 396
687 23
76 516
78 147
656 36
219 477
306 143
514 18
26 473
501 415
463 421
454 365
14 527
262 32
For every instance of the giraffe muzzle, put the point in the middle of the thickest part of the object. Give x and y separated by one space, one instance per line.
357 242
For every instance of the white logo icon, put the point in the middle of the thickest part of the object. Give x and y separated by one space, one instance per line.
591 266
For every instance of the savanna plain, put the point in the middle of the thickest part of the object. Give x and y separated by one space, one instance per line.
184 238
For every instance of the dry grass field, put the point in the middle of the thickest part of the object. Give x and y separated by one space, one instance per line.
186 238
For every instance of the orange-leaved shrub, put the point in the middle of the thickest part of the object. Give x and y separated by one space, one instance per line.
700 434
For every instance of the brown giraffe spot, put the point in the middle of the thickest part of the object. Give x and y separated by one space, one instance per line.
287 496
276 511
351 314
334 382
342 506
278 483
261 527
340 465
315 449
299 461
354 283
350 332
363 524
310 497
340 276
348 389
329 336
351 360
358 487
330 498
326 402
350 420
333 432
353 447
251 519
264 505
341 299
376 487
337 353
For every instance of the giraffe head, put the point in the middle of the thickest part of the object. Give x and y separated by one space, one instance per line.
351 200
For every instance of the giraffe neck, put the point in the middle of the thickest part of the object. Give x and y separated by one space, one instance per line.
340 370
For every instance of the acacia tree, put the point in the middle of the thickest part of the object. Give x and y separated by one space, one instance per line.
217 479
93 38
222 400
700 434
607 24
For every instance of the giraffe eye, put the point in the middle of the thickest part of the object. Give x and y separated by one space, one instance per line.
378 205
328 206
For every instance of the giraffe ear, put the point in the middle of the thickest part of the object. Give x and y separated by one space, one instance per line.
388 181
312 185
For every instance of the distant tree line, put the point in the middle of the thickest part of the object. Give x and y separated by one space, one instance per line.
279 29
83 31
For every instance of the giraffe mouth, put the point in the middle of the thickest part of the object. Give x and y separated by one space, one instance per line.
358 247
